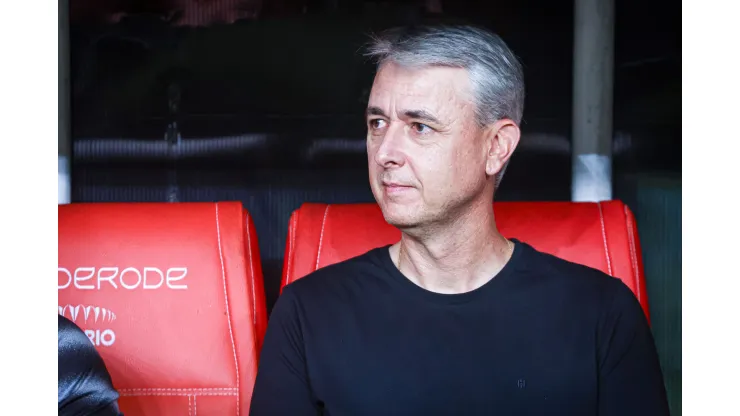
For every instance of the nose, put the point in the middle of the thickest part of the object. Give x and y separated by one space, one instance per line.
390 152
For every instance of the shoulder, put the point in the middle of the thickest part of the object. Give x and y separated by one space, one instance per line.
342 279
84 383
74 347
68 332
591 286
332 291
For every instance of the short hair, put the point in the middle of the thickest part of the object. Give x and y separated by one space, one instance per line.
496 75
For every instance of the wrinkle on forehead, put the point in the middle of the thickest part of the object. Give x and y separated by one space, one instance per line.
442 91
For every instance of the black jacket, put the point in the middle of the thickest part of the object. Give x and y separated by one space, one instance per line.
85 387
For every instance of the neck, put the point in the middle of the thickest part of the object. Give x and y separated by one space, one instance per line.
457 257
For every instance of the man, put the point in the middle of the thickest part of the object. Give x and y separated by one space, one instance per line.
454 319
85 387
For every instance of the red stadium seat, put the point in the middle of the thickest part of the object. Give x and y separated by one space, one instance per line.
600 235
172 297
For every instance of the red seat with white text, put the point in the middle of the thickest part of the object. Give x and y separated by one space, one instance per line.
600 235
172 297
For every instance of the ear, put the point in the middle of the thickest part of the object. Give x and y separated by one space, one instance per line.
501 138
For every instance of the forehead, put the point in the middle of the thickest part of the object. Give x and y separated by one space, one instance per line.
434 88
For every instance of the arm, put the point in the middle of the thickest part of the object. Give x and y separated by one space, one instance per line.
630 378
85 387
282 386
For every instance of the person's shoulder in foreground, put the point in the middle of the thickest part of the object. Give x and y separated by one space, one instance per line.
85 387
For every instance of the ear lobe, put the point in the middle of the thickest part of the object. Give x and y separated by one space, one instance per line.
503 138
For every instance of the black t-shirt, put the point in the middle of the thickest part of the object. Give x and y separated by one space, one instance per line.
543 337
85 387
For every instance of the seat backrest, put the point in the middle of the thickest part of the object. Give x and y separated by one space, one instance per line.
600 235
172 297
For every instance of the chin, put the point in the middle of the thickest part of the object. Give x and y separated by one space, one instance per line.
402 223
401 217
400 214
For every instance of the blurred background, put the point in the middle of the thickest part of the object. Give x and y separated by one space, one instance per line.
262 101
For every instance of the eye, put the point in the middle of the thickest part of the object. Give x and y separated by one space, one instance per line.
421 128
376 123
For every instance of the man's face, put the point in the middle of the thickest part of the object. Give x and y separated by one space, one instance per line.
426 153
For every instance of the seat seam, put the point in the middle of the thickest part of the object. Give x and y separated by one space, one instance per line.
144 394
321 237
603 235
293 227
226 300
169 389
251 271
633 252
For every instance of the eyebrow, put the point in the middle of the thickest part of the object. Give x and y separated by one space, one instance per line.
421 115
415 114
375 111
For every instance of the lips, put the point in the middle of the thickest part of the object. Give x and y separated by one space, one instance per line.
395 185
395 188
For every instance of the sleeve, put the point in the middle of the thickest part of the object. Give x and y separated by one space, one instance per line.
85 387
630 377
282 386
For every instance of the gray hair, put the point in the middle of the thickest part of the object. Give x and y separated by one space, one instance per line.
495 73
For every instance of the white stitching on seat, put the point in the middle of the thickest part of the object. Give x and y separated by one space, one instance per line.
190 405
251 272
291 244
191 390
321 237
603 235
226 300
633 251
195 405
174 393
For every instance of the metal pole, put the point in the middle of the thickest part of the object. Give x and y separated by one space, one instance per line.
593 84
64 139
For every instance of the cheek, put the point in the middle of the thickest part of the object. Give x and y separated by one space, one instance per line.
373 169
464 169
370 149
437 172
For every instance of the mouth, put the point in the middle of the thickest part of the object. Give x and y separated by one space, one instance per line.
393 187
